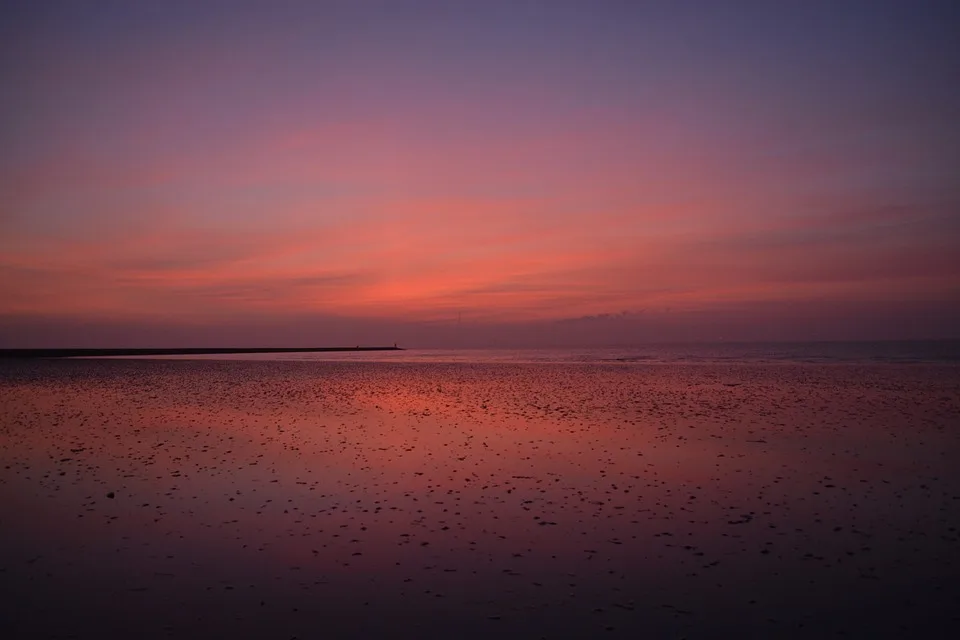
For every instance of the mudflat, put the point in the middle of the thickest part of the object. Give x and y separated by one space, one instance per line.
174 498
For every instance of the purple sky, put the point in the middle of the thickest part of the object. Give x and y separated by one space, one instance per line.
478 173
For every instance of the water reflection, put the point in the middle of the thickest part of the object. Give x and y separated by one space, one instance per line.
512 499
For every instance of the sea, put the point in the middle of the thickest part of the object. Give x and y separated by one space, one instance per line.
851 352
725 490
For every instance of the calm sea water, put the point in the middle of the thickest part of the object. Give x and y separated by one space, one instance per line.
934 351
553 499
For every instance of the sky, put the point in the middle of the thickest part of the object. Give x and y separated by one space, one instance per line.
478 173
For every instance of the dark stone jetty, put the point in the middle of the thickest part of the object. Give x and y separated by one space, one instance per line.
189 351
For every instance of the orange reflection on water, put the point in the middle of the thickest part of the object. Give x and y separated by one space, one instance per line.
487 490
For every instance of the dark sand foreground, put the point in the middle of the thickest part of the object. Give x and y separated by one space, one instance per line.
150 499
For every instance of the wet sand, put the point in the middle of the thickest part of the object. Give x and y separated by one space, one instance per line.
307 499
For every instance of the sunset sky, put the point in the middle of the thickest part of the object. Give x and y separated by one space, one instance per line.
477 173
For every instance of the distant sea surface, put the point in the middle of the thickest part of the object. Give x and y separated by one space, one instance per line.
894 352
